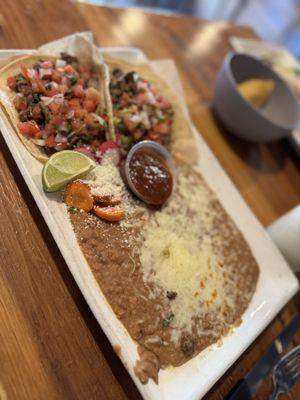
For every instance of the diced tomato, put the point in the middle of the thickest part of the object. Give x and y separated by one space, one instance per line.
153 135
38 87
113 149
24 71
89 105
78 91
142 85
143 98
108 145
137 134
45 73
80 81
65 109
29 128
46 64
63 88
20 102
49 129
51 92
95 143
80 113
55 108
70 70
38 135
44 134
74 103
118 139
130 126
50 141
162 128
57 120
85 73
93 94
83 69
56 76
34 75
85 150
36 112
89 119
124 100
76 124
65 81
11 82
163 105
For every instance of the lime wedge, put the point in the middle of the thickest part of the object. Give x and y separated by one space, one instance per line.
63 167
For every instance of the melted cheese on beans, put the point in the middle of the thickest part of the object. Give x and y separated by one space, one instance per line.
178 255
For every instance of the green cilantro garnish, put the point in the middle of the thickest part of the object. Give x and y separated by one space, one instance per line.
166 321
73 80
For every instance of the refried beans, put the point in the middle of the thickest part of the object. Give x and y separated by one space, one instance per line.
178 279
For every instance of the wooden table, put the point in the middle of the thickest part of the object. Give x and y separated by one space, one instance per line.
51 347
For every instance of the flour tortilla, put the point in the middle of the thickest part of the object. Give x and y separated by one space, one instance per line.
7 95
183 144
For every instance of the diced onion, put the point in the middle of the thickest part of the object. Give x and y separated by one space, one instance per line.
54 85
145 120
58 98
159 113
39 142
70 114
136 118
150 97
98 154
60 63
32 73
45 72
46 100
59 138
99 119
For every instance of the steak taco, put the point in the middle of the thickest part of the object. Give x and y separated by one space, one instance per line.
145 107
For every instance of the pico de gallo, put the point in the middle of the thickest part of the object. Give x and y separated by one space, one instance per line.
140 112
60 108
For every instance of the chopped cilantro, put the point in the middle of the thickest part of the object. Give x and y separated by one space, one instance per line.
166 321
126 140
20 79
73 80
36 97
68 93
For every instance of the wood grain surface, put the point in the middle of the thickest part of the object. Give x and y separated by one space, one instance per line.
51 347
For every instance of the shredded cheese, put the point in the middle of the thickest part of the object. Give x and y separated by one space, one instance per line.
105 180
178 255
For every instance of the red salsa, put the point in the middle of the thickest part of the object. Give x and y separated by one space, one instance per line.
150 176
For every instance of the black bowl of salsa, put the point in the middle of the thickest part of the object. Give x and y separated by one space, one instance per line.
149 172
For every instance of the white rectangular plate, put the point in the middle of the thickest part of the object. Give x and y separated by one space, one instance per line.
276 284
